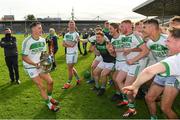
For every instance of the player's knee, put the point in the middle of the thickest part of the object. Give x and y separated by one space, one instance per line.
104 74
149 98
50 82
70 67
95 73
165 108
115 79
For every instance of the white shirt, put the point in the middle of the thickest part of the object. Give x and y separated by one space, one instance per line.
172 65
118 44
74 36
33 49
158 48
132 41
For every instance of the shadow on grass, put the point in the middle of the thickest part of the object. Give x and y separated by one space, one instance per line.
5 86
9 91
45 113
67 92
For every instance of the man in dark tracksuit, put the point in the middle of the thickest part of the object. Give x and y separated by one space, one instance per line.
11 55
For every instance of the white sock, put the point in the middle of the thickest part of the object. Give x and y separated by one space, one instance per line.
49 97
49 105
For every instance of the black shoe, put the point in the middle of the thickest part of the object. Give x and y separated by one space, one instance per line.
12 81
84 54
95 88
18 82
101 92
116 97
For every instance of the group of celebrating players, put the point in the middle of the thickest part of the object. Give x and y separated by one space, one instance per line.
128 54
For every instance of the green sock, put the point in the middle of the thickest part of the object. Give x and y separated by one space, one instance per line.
125 99
131 105
49 95
77 77
69 81
153 117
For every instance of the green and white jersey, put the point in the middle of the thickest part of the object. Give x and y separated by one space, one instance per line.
33 49
118 44
158 48
132 41
172 65
72 36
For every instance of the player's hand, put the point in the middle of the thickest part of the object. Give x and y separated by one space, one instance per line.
109 47
71 45
126 51
37 65
51 54
130 90
84 40
130 62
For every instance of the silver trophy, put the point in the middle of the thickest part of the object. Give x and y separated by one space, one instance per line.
46 62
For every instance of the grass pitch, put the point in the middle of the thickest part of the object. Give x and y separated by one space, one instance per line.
24 101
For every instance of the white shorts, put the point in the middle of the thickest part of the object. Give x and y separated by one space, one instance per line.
167 81
105 65
71 58
33 72
98 58
120 65
132 70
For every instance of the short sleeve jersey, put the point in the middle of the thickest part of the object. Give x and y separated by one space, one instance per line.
33 49
132 41
118 44
158 48
74 38
172 65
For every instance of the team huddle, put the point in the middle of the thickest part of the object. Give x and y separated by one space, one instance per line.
127 55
